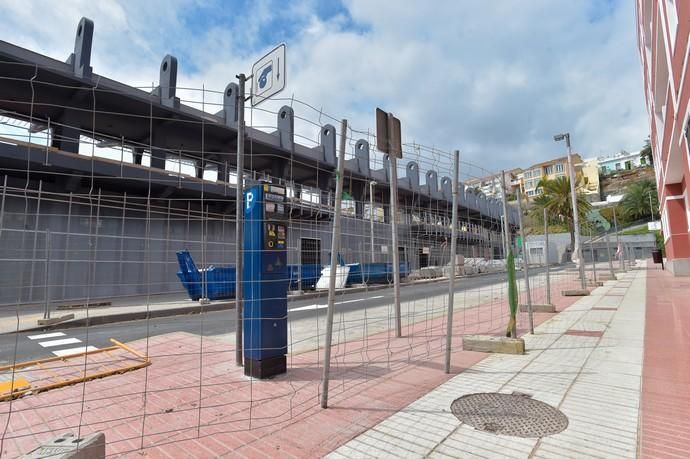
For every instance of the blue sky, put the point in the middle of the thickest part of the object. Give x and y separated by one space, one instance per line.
493 79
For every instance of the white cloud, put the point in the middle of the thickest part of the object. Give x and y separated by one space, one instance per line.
494 79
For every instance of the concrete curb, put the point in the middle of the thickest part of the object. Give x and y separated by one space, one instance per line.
214 307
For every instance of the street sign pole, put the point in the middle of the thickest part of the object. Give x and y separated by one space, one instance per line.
389 141
239 223
268 78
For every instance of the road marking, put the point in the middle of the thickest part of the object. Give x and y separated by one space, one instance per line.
59 342
46 335
74 350
312 307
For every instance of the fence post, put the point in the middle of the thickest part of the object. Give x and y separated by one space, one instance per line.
510 267
453 259
621 264
546 259
525 263
591 252
46 312
394 234
335 244
608 254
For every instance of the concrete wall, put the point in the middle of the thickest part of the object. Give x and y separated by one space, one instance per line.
102 251
558 252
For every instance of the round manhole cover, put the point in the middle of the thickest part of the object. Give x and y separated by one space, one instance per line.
509 414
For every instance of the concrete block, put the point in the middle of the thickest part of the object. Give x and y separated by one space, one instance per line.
606 277
575 292
539 308
68 446
55 320
498 344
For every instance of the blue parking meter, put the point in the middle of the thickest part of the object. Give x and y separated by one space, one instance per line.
266 281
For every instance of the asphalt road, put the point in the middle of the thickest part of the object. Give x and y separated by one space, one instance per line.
25 346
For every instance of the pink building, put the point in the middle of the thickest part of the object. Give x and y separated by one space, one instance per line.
662 37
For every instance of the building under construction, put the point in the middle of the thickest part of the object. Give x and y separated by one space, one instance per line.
102 183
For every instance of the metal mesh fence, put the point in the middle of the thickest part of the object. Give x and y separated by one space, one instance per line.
134 235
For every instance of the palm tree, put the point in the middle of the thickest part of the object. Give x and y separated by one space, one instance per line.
636 202
555 198
646 152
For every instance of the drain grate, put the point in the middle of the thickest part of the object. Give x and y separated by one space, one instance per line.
517 415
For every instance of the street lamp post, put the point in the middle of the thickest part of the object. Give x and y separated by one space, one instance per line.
651 207
577 250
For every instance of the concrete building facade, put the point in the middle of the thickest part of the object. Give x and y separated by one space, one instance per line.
621 161
492 185
76 225
555 168
663 32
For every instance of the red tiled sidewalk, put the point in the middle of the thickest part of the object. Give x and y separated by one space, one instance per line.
193 402
665 414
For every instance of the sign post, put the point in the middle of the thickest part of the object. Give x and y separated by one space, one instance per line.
388 140
268 78
239 222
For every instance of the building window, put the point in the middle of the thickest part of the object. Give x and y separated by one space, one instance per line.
643 160
618 166
628 165
349 207
530 193
559 167
548 170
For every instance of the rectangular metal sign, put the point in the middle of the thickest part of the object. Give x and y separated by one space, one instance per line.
268 75
388 137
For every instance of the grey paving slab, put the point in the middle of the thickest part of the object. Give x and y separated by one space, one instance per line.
593 380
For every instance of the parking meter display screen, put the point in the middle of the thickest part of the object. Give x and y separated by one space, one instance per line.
275 236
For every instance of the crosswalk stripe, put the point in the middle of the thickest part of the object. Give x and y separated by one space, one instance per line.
322 306
59 342
74 350
46 335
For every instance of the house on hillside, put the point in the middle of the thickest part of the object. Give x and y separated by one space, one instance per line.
621 161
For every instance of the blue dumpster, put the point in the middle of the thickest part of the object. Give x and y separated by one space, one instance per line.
374 273
220 281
